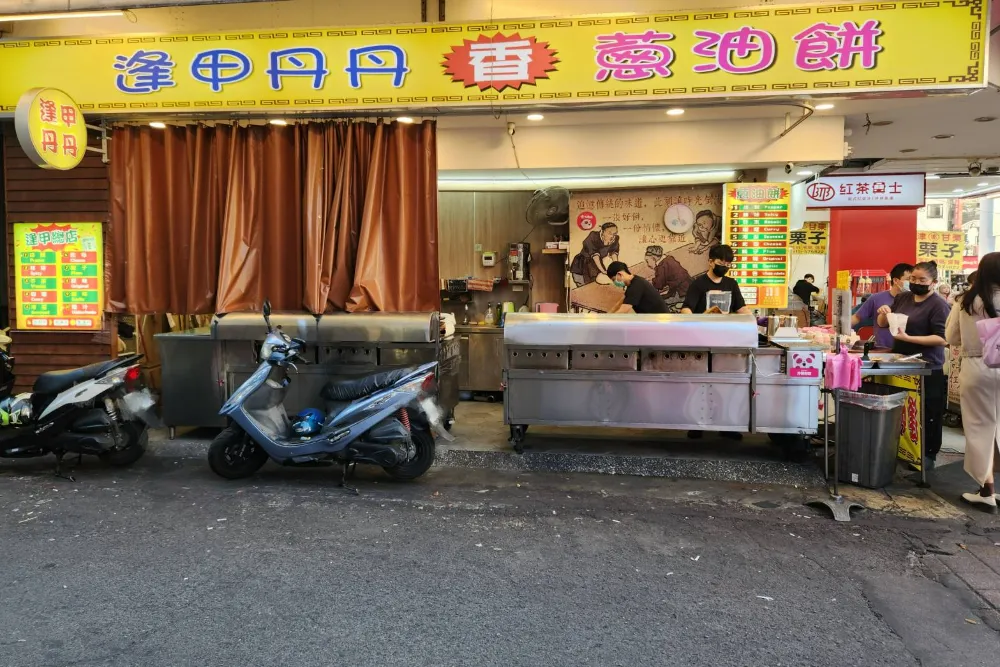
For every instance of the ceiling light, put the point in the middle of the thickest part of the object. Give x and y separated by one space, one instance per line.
823 107
986 119
931 177
404 119
804 173
943 136
158 125
675 112
907 150
50 16
958 190
535 116
527 182
982 185
278 121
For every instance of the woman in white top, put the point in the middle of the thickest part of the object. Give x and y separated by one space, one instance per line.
980 385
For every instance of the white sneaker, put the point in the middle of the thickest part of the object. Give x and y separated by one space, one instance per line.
988 503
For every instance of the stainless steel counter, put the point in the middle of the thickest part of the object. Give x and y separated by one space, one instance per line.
686 372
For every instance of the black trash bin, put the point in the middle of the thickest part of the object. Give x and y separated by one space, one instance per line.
869 434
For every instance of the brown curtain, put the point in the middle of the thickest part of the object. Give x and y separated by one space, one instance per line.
317 216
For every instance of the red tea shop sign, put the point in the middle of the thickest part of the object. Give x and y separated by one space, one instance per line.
866 191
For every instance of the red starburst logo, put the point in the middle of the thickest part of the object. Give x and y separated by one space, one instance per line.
500 62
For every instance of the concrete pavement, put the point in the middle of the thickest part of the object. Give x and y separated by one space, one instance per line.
164 564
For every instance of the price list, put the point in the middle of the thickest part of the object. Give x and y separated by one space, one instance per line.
756 226
58 269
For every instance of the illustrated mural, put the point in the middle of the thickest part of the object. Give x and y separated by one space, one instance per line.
663 234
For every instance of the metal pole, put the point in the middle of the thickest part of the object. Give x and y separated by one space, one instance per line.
923 432
826 436
836 448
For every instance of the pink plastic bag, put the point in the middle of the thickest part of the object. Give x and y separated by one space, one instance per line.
989 336
843 371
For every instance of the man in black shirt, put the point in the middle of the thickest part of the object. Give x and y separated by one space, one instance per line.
639 293
804 289
720 258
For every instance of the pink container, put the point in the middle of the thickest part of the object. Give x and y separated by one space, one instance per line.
546 307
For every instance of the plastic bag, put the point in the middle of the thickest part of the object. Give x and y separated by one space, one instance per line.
880 398
897 323
843 371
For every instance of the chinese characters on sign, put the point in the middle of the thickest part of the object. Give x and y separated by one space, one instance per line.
945 248
662 234
50 128
573 59
810 240
866 191
59 269
756 226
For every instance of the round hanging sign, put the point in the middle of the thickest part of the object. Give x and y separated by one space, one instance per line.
51 128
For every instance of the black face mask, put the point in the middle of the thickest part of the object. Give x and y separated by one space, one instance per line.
720 271
920 290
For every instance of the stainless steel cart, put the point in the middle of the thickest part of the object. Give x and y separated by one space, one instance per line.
201 368
687 372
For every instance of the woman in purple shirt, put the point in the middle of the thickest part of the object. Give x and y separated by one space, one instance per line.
927 315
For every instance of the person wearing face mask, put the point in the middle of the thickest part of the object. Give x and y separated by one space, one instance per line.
927 317
899 283
720 258
639 292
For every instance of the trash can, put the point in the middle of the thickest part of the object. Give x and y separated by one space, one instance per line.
869 434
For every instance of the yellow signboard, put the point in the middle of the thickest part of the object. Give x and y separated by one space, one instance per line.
909 429
50 128
778 50
810 240
945 248
59 276
755 224
844 280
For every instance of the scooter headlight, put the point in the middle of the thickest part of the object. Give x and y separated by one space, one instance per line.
265 351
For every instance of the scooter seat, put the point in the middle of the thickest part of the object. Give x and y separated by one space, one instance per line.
55 382
351 389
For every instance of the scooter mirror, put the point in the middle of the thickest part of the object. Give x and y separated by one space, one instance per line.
267 314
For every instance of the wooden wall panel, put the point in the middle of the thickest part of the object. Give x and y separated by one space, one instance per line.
33 194
497 220
456 234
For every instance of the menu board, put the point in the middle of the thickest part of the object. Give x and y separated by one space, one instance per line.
59 269
756 226
945 248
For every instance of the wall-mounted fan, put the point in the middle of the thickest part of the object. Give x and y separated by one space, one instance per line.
548 206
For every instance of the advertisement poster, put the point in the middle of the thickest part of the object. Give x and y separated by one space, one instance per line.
703 53
945 248
756 226
663 234
812 239
909 429
59 274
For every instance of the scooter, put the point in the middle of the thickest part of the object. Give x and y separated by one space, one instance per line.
386 419
100 410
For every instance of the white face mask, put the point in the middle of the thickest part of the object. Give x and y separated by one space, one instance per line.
905 286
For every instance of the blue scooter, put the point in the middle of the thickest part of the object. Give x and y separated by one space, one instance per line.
385 419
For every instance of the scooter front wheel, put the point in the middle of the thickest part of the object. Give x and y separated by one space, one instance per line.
234 455
423 441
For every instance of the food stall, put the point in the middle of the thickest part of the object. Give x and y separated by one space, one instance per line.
686 372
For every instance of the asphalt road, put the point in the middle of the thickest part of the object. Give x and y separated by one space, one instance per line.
166 565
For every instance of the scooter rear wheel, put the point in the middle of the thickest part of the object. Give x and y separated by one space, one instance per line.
419 464
234 455
138 439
